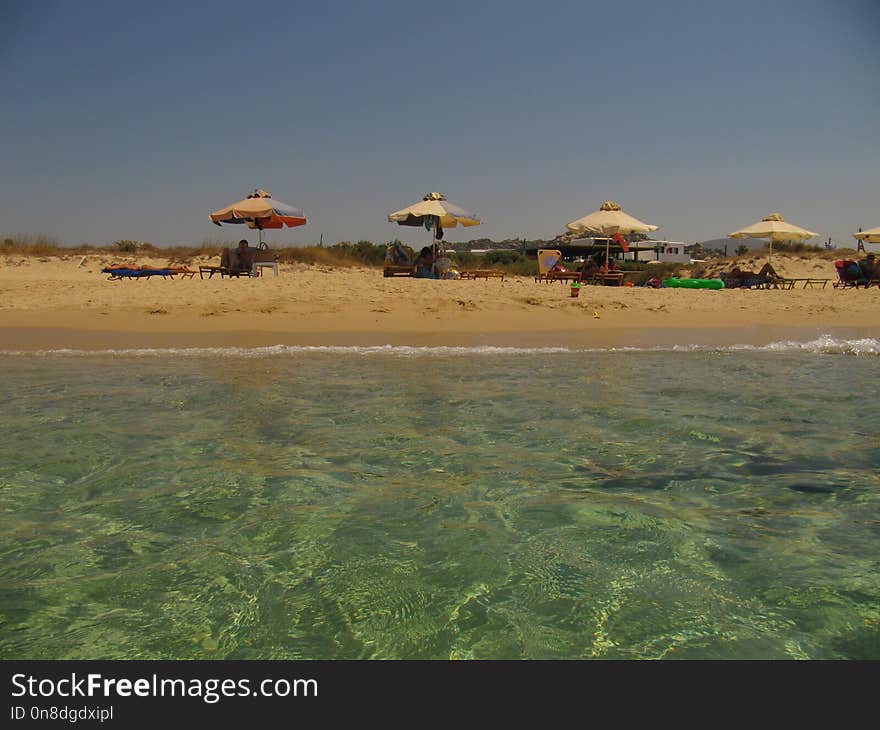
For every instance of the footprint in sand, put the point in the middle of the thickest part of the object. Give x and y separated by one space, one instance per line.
157 311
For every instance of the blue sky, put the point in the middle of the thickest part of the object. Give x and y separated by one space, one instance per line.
135 120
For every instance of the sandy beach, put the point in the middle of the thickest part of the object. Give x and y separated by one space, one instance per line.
65 302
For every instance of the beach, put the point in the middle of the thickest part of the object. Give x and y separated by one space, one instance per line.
65 302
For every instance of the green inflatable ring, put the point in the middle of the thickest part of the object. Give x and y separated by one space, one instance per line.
676 283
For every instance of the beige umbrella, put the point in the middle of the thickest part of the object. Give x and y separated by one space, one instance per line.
260 210
435 213
872 235
774 228
436 205
607 221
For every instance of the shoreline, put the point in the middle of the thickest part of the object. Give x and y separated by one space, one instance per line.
49 339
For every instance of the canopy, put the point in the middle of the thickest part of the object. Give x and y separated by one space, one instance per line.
872 235
436 205
609 219
260 210
774 228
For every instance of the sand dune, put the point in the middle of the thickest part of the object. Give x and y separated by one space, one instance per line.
56 302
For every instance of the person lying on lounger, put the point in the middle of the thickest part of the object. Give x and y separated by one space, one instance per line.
738 277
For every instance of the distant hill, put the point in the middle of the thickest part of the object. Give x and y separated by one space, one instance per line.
510 244
518 244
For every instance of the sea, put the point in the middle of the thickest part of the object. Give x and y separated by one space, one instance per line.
289 502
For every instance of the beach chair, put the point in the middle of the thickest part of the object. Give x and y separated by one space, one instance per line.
225 270
609 278
398 260
548 259
849 275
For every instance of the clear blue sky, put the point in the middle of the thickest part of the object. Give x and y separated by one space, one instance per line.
136 119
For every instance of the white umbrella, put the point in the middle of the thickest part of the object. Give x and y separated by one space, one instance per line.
872 235
774 228
607 221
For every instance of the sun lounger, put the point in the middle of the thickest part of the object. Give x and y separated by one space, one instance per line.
117 273
397 270
561 276
611 278
806 283
483 274
224 271
548 259
736 280
399 260
850 276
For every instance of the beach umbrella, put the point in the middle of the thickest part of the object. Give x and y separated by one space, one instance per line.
609 220
261 211
434 206
774 228
872 235
435 213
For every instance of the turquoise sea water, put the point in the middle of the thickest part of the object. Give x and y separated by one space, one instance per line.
476 503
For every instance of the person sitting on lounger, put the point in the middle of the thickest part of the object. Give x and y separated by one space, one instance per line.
245 256
239 260
423 267
589 269
869 267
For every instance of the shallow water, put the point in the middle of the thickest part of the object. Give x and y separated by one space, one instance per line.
446 503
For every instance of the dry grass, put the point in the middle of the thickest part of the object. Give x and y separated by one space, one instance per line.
35 245
29 245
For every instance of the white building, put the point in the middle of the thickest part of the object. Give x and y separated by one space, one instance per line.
660 251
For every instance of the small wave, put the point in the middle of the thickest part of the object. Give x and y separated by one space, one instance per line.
823 345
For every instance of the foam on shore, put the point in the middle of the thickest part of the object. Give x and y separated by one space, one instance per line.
823 345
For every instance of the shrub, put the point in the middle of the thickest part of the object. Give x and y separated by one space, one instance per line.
126 246
502 256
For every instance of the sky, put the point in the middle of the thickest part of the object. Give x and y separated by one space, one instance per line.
135 120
